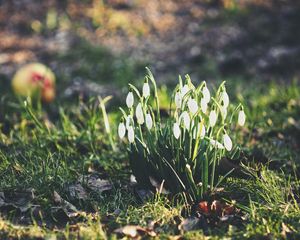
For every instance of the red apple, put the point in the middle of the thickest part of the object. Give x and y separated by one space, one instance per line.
35 79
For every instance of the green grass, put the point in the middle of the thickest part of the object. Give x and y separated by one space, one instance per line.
47 152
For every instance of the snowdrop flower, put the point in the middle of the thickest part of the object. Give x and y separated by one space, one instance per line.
225 99
186 119
241 118
129 100
176 130
216 144
130 134
178 99
212 118
203 104
121 130
149 122
139 114
224 111
227 142
203 131
192 105
184 90
146 90
129 121
206 94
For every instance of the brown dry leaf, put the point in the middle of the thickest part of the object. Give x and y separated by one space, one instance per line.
77 192
21 200
95 183
134 231
64 208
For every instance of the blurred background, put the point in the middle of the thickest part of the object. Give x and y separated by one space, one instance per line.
96 46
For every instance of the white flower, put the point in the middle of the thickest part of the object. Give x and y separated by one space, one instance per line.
241 118
212 118
184 90
224 111
121 130
203 131
130 134
227 142
139 114
203 105
193 106
129 121
176 130
178 99
129 100
149 122
206 94
216 144
225 99
186 119
146 90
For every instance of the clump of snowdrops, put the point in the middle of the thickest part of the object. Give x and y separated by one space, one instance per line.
180 152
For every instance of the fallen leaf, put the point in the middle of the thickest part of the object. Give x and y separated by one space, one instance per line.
191 223
133 231
203 208
64 208
77 192
95 183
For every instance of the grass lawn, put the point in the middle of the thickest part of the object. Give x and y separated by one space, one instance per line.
60 177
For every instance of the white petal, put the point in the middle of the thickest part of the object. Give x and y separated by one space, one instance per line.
241 118
212 118
178 100
206 94
129 100
146 90
203 104
185 117
149 122
184 90
121 130
216 144
227 142
139 114
225 99
176 130
203 131
192 105
224 111
130 134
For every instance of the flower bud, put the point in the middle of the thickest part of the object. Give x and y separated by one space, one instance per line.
227 142
121 130
206 94
129 100
139 114
212 118
241 118
146 90
203 105
130 134
192 105
178 100
149 122
176 130
225 99
184 90
186 119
